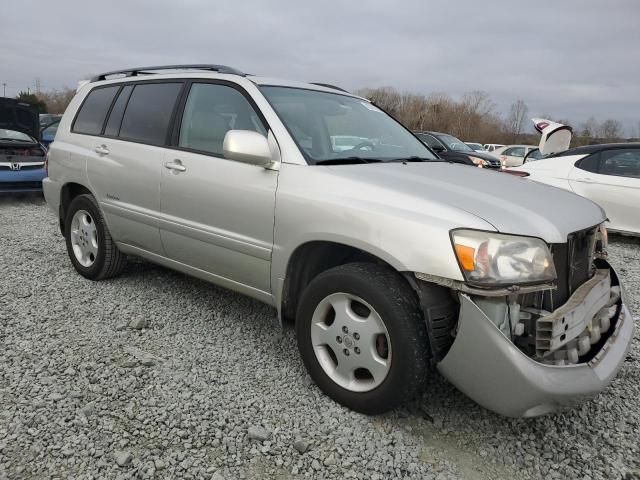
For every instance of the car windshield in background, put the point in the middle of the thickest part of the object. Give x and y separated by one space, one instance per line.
331 127
535 155
454 143
13 136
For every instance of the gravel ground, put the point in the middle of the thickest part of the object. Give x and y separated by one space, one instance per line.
155 374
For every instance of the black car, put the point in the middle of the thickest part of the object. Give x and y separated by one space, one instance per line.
455 150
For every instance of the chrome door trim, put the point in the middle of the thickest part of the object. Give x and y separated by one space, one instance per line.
220 238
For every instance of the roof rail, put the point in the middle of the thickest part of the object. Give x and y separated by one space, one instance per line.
133 72
328 85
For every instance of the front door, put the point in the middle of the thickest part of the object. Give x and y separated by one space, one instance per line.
217 215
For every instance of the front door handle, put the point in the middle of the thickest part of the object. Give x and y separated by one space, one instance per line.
176 166
101 150
585 180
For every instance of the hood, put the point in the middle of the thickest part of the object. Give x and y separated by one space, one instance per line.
19 116
511 204
555 138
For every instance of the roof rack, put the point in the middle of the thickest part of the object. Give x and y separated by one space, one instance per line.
133 72
328 85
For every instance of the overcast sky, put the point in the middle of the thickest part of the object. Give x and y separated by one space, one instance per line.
569 59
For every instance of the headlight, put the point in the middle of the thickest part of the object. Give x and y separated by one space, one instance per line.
478 161
488 258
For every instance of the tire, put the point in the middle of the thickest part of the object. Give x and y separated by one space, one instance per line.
104 259
386 296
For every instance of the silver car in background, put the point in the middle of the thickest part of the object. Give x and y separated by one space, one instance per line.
389 261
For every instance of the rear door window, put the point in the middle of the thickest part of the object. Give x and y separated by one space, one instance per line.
148 112
93 111
429 140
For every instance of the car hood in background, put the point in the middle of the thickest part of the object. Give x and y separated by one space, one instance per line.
456 154
511 204
20 117
483 155
555 138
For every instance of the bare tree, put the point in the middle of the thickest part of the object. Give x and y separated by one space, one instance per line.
57 100
516 118
611 129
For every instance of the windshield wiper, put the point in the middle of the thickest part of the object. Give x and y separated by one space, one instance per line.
347 161
416 159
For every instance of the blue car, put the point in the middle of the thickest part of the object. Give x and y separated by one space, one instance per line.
48 133
22 156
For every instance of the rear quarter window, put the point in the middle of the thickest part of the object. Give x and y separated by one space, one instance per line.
115 117
148 113
590 163
93 111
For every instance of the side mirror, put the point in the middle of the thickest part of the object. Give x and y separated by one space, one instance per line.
438 148
247 146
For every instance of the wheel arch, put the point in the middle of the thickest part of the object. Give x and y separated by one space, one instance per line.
439 307
68 192
310 259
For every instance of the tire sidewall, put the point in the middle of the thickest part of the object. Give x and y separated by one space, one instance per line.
402 360
85 202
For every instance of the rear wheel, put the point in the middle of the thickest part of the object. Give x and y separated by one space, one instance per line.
91 249
362 337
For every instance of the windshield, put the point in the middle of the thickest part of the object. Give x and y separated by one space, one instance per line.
454 143
330 127
14 136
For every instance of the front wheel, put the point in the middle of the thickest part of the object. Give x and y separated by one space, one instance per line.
362 337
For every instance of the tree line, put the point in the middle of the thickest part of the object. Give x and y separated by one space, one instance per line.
472 118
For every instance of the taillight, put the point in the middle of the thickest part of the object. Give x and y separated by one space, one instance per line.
46 163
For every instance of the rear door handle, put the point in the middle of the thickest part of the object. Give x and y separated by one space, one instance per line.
101 150
176 165
585 180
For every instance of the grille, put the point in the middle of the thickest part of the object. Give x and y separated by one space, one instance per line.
574 266
24 166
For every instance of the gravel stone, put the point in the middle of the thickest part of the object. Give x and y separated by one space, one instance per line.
223 366
258 433
138 323
330 460
123 458
301 445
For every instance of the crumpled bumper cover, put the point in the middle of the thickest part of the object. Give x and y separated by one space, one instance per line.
485 365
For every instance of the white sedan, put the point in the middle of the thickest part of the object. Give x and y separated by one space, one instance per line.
608 174
513 155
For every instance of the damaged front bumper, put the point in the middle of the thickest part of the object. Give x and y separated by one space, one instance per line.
484 364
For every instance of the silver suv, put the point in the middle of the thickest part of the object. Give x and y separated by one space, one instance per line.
390 261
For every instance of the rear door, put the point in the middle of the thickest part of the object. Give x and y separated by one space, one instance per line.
611 178
218 214
125 158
